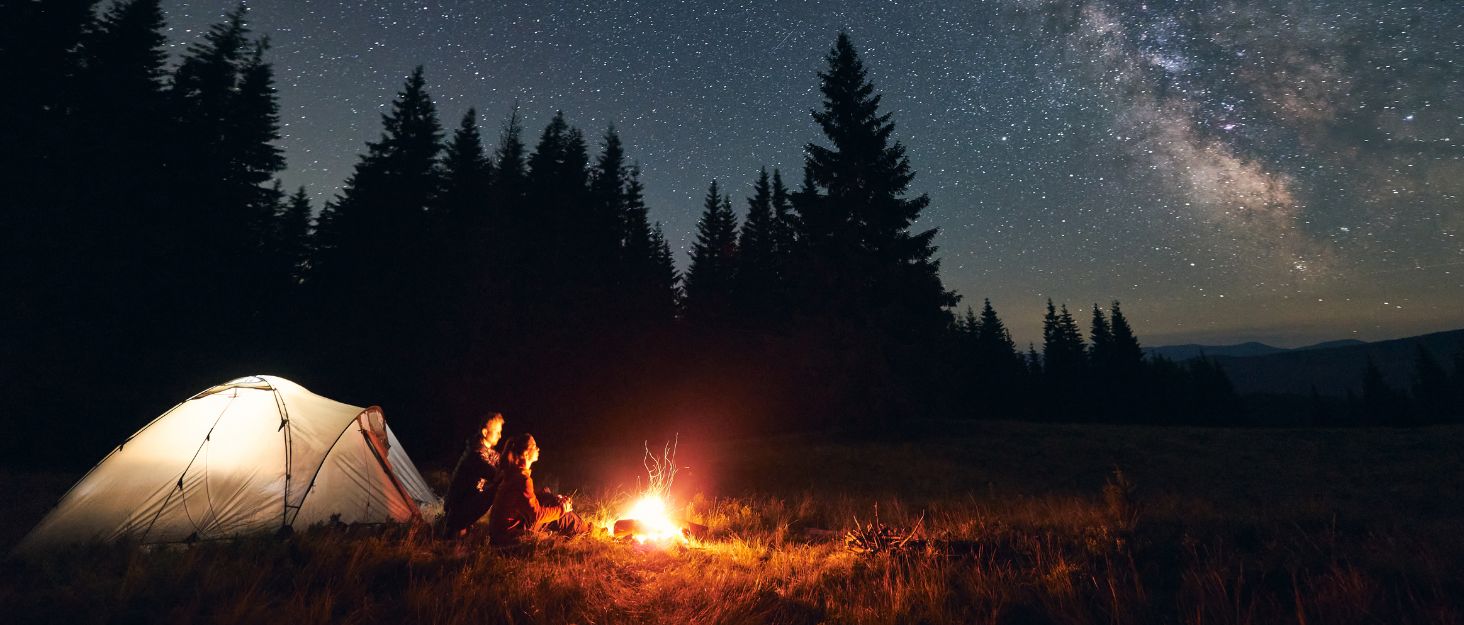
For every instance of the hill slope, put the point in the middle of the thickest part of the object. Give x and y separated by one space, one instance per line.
1335 370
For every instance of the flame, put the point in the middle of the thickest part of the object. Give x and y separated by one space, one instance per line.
654 521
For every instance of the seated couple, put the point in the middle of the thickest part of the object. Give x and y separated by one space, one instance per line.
502 485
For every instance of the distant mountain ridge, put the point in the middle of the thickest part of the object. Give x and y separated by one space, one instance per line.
1332 368
1251 348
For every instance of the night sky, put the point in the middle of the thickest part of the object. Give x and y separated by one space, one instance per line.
1289 172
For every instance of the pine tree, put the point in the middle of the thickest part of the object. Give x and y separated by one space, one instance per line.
510 165
862 225
1062 344
255 123
651 279
1034 362
380 213
1063 360
223 202
1128 355
604 230
467 175
508 219
783 226
122 209
459 278
1100 335
967 326
993 341
666 286
1001 367
294 224
372 239
635 224
709 278
254 129
757 262
607 188
564 237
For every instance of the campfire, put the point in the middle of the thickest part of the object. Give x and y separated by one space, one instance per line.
648 518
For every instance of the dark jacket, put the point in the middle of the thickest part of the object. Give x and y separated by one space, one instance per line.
466 500
516 510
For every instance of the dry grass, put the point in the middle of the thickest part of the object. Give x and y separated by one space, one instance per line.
1023 524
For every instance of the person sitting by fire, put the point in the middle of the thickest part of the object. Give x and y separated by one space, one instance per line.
516 508
474 479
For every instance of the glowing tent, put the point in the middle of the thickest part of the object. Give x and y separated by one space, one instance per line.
255 454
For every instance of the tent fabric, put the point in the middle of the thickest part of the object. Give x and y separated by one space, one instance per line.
256 454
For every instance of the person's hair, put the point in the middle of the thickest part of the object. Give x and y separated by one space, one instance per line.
516 448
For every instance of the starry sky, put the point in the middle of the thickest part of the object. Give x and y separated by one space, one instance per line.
1283 171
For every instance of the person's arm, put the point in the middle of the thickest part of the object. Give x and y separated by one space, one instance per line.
542 514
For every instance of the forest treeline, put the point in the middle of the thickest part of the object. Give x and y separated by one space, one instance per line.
150 250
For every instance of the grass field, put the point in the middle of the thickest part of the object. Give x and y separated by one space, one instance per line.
1024 524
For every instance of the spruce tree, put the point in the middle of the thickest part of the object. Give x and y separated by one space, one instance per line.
709 278
667 282
993 341
863 223
635 228
757 263
508 218
1063 360
122 206
607 188
1128 355
649 283
224 157
459 279
1062 344
783 226
294 224
373 238
604 227
466 177
510 166
1100 334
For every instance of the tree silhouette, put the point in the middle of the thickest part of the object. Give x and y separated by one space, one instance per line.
372 242
710 276
757 261
857 227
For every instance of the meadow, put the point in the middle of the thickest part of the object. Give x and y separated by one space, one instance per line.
1019 523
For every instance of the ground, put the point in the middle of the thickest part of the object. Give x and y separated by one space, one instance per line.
1024 523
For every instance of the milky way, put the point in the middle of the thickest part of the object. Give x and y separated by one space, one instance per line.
1281 171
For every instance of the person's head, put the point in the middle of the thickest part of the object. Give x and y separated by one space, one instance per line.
492 429
521 451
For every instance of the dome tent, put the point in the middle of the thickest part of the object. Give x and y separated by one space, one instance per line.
255 454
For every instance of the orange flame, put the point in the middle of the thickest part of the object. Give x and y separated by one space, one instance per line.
654 522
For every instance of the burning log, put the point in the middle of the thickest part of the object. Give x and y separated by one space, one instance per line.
627 528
